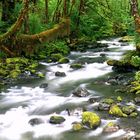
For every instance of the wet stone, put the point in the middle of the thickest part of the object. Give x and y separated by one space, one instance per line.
103 107
111 127
137 100
80 92
57 119
94 99
44 85
77 126
35 121
60 74
137 137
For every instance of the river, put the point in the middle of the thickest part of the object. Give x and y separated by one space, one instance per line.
23 102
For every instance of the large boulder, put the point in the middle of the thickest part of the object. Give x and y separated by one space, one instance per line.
57 119
90 119
115 110
80 92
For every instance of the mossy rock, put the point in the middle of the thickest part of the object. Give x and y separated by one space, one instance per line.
3 72
111 127
114 63
80 92
119 98
91 119
135 87
57 119
127 39
76 66
56 57
133 114
128 109
14 73
63 60
107 101
115 110
77 126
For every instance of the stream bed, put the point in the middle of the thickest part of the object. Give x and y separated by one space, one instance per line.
24 102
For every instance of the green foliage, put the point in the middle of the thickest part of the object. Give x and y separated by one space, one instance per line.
2 54
137 76
135 60
55 47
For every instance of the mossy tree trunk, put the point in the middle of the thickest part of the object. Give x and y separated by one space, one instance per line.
13 43
135 14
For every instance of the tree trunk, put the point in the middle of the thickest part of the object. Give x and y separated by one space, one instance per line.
135 14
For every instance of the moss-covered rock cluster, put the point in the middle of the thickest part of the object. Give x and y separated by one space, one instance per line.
14 68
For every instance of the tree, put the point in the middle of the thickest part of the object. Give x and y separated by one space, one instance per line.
135 14
13 43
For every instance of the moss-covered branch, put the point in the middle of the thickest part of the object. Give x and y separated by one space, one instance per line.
15 27
59 30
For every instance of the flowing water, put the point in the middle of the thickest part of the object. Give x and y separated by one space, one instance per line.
26 101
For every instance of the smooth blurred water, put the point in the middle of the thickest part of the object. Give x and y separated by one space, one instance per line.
24 102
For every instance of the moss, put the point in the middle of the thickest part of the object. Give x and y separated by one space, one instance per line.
127 39
119 98
135 87
33 65
57 119
3 72
77 126
111 127
108 101
116 111
76 66
15 73
128 109
63 60
134 114
91 119
56 57
41 75
110 124
17 60
114 63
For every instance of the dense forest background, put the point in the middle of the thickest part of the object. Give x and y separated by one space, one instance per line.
89 20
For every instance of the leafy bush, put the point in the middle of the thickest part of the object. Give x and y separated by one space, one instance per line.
57 47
